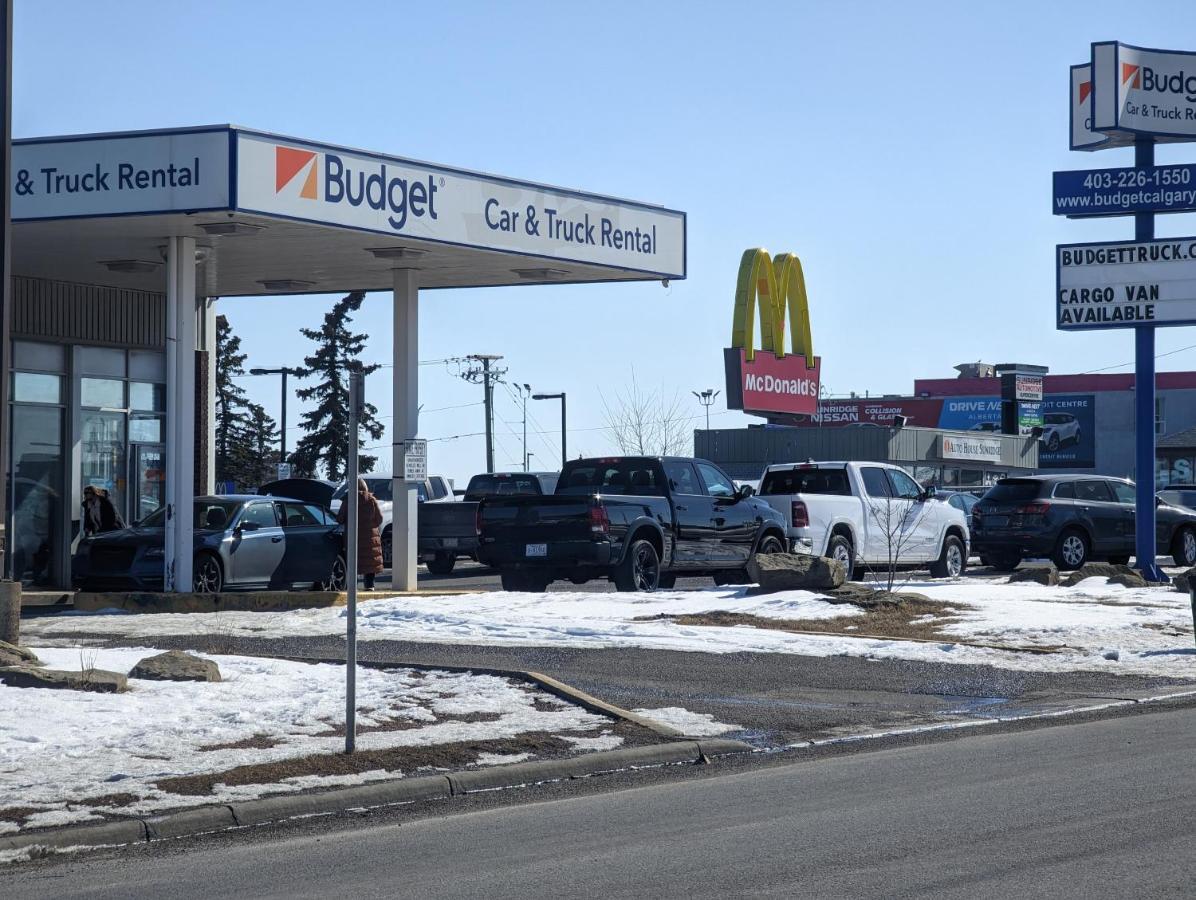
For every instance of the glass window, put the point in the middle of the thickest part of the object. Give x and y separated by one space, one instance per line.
1065 490
805 481
615 476
103 392
682 477
43 357
296 515
145 396
145 429
102 361
382 488
31 387
320 515
260 513
1160 421
36 494
102 452
147 364
717 484
903 486
875 483
1123 492
502 485
1093 491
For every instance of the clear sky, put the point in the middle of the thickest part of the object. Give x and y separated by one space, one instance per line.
903 150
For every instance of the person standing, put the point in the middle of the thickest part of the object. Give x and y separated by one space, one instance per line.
99 513
369 540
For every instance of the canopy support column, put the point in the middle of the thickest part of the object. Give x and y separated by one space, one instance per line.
180 411
404 557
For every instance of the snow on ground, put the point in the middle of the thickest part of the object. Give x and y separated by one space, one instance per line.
58 748
688 723
1099 627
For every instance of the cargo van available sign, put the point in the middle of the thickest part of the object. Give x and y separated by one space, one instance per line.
769 380
1115 285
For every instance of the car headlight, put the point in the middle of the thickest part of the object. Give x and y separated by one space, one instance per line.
155 553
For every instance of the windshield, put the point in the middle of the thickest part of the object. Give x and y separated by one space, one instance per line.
1013 491
616 476
502 485
213 515
805 481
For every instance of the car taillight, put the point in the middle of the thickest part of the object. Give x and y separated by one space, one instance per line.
599 520
799 515
1034 509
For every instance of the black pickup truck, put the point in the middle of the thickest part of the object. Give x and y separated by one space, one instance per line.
449 530
640 521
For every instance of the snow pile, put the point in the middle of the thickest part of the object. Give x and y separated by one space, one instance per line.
688 723
59 750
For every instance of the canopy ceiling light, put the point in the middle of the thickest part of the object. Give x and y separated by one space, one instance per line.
541 274
396 252
286 284
230 229
131 266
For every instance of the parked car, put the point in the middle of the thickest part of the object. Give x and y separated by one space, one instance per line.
1072 519
309 490
866 515
435 489
639 521
450 531
1059 429
1179 495
961 500
241 541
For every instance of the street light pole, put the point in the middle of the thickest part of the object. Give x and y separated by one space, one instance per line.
524 391
282 437
706 398
564 429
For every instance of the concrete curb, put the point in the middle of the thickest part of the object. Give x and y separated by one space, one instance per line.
208 819
240 601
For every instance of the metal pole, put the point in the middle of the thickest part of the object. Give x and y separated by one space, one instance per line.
564 452
488 400
5 277
1144 403
282 435
356 402
523 394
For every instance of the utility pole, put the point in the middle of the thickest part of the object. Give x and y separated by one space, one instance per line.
483 372
524 391
706 398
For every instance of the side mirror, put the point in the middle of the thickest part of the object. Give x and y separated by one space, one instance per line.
745 491
929 492
248 526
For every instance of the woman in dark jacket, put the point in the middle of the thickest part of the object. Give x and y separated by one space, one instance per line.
369 541
99 513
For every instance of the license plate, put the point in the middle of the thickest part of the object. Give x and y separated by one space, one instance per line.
449 542
995 521
537 550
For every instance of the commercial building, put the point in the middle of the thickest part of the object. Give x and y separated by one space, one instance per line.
1087 423
123 241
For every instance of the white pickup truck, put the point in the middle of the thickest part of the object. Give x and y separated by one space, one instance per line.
867 515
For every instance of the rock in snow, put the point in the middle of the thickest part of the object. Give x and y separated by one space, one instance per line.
795 572
12 655
175 665
1047 575
97 680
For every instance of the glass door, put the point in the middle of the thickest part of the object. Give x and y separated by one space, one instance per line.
103 455
148 480
36 495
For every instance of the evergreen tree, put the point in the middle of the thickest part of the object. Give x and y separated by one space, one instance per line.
263 442
232 419
325 443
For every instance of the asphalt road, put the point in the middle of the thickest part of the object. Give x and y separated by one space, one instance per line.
1097 809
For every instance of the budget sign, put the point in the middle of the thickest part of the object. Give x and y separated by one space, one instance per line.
1120 285
1144 91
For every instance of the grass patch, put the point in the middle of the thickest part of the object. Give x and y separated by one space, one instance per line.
18 814
122 799
912 619
253 742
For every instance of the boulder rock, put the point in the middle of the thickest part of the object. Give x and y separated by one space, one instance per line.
1183 581
1130 580
12 655
795 572
1096 570
97 680
1047 575
175 665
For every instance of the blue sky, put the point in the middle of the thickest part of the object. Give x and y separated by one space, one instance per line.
903 151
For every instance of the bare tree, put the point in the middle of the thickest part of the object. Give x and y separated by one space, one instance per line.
896 519
647 422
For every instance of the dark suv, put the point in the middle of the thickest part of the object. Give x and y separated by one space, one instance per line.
1071 519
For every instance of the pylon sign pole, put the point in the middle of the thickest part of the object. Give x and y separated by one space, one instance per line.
1130 96
352 501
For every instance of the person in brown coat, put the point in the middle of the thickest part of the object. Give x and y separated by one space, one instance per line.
369 541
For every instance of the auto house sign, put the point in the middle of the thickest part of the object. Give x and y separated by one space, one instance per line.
970 448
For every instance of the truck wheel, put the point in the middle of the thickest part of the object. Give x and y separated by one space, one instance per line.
952 560
840 549
1072 550
442 563
639 569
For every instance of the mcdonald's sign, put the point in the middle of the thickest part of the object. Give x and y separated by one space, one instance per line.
769 380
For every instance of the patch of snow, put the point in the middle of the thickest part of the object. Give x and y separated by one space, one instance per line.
691 724
601 742
501 759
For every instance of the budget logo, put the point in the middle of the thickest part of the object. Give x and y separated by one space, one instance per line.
1085 91
299 167
1131 74
769 380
